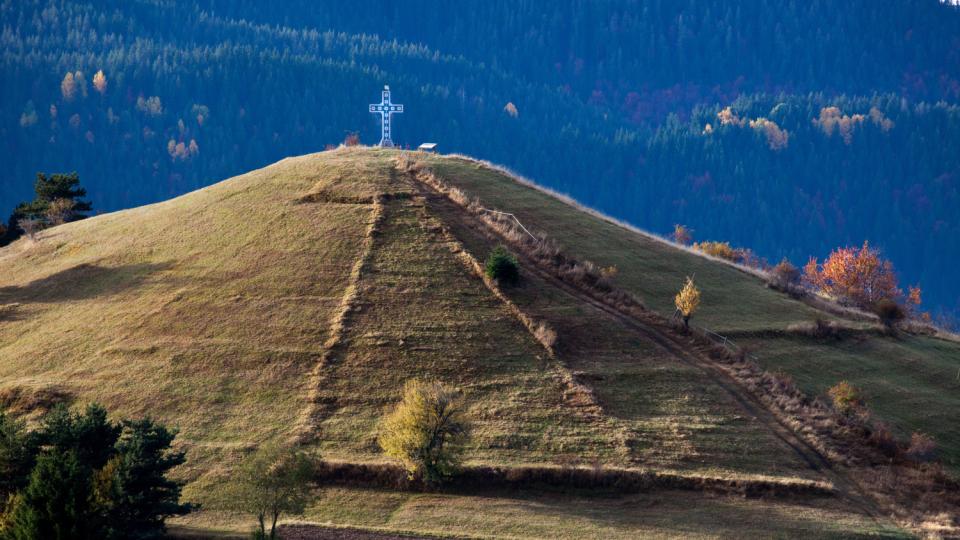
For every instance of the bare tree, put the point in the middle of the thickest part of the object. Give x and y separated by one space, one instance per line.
31 226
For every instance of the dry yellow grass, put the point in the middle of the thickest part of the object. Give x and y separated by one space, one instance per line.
293 302
207 311
911 381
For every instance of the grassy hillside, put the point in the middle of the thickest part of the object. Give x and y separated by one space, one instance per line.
207 311
293 302
910 381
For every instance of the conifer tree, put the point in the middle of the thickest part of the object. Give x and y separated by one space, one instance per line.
142 496
55 504
92 478
16 455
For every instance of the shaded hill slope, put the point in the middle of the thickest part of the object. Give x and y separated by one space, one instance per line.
910 381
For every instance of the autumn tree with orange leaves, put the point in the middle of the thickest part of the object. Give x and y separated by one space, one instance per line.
858 276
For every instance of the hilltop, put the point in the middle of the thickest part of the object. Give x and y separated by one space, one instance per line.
697 112
289 305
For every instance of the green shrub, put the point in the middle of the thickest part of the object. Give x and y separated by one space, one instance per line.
503 266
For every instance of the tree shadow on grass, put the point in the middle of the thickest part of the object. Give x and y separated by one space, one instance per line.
81 282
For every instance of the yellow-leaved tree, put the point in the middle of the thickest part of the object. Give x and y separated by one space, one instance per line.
68 87
100 82
426 431
687 301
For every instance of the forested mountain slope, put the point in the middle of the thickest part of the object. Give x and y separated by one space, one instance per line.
843 128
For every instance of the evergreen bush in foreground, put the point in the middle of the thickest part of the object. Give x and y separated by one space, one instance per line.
503 266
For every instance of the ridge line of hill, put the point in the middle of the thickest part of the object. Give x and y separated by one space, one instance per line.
814 299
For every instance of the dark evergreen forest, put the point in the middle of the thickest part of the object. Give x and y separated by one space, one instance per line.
788 127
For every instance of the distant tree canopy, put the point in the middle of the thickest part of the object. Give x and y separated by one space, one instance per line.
826 123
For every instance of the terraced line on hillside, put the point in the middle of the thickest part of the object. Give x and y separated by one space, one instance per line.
475 478
622 433
317 408
577 395
741 395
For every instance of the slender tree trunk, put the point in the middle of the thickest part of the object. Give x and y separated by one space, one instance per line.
273 525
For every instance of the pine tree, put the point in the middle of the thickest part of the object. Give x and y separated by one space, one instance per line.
142 496
17 451
55 504
91 436
61 186
57 190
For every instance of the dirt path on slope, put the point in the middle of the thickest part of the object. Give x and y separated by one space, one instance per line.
456 217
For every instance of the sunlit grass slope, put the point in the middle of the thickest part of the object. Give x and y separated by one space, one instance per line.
207 311
910 381
293 302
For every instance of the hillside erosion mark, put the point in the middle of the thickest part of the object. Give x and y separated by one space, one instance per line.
318 407
576 395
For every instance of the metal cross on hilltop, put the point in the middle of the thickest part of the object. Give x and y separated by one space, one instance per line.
386 110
